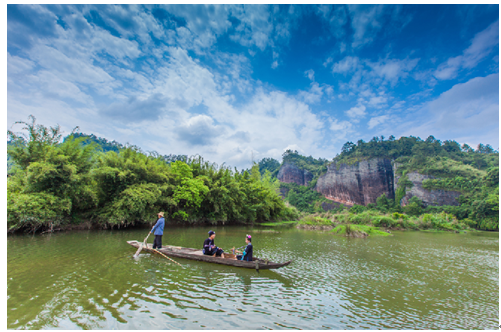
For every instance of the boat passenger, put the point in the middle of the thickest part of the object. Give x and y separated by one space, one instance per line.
247 253
210 248
159 231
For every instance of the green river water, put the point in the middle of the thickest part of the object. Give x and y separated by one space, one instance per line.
413 280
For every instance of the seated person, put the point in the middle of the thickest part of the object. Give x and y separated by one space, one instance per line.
210 248
247 254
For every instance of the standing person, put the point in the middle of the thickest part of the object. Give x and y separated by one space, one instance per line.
159 231
247 254
210 248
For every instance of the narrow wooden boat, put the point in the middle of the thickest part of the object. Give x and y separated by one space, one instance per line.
196 254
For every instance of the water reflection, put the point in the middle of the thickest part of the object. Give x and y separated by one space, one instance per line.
89 280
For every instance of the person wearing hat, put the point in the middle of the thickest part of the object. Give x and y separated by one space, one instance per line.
159 231
210 248
247 254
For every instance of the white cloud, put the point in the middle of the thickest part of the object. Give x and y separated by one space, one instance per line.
314 94
366 23
340 125
356 112
377 120
392 70
348 64
335 16
310 74
199 130
18 65
468 112
255 27
481 45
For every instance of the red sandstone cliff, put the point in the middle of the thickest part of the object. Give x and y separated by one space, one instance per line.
289 173
361 183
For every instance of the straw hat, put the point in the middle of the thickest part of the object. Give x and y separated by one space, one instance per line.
161 214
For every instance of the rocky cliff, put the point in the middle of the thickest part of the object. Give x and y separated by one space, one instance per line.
361 183
291 173
429 197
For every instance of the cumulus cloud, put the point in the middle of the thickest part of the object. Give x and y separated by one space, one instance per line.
392 70
340 125
348 64
199 130
135 109
119 71
315 93
377 120
356 112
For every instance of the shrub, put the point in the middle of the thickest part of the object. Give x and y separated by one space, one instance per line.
396 216
470 223
362 218
357 209
352 230
415 207
315 220
385 221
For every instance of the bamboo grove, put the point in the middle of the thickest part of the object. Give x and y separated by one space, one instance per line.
53 182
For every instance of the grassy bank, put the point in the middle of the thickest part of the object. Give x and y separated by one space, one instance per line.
374 222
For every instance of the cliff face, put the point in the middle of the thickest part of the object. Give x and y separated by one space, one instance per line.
361 183
289 173
429 197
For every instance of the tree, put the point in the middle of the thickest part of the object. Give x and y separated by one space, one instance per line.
53 180
347 147
466 148
414 207
383 203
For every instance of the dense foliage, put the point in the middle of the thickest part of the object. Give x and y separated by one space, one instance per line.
103 143
303 198
473 173
269 164
374 218
58 182
315 166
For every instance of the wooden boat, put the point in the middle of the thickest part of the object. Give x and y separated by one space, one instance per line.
196 254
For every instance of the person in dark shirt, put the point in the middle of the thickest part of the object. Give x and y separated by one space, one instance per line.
247 254
210 248
159 231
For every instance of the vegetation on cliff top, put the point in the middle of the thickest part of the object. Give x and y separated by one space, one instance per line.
473 173
56 182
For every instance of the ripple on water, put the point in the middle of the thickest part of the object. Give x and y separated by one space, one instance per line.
410 281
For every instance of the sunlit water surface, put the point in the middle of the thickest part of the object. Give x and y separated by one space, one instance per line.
413 280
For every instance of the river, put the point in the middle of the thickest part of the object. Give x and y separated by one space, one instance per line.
413 280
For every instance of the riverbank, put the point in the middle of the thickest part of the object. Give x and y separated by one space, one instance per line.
370 222
374 222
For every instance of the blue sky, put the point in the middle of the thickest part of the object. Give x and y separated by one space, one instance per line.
232 82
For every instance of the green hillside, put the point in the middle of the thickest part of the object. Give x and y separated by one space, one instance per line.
473 172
